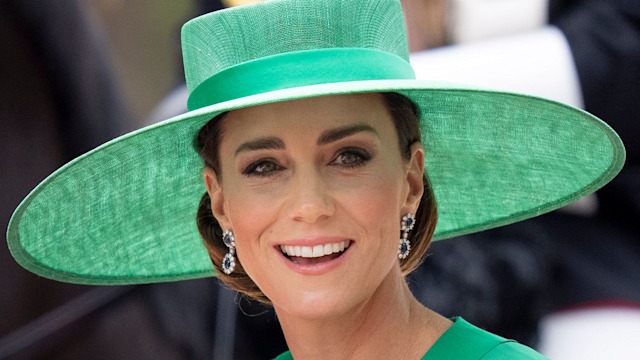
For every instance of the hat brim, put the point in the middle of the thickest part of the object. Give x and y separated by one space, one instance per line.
124 213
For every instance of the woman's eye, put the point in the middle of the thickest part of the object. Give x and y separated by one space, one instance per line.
261 168
352 158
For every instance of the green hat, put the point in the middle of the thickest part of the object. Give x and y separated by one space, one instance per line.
125 212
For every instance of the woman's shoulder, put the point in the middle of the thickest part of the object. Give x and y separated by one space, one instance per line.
513 350
466 341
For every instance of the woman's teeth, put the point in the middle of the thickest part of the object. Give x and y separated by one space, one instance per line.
314 251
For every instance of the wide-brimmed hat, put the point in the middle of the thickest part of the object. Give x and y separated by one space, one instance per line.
125 212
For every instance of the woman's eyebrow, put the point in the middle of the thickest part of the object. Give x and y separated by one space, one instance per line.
271 142
336 134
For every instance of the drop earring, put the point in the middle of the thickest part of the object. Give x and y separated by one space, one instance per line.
229 261
405 226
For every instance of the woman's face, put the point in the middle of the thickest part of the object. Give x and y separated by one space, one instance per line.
314 191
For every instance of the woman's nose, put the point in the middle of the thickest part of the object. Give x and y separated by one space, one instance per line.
309 197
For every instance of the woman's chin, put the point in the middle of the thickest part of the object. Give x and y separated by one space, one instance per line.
313 305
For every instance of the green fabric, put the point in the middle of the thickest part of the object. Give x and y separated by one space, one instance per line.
464 341
124 213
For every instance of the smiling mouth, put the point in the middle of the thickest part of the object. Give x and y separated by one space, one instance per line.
306 255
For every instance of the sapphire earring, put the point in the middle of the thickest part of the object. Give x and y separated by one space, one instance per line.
229 261
405 226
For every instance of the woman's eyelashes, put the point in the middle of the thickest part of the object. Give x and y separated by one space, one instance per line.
347 158
351 158
262 167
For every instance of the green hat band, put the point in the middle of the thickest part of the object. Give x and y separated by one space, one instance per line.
299 68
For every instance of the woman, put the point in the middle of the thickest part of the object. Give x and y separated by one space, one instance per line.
320 154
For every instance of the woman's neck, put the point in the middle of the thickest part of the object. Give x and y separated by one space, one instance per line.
390 324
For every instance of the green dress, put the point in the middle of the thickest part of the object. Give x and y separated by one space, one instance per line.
464 341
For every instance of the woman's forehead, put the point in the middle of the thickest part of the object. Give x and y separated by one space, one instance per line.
312 114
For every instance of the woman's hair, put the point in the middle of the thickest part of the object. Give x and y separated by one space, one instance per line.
405 117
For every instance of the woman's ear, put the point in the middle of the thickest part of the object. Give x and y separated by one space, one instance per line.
415 179
214 189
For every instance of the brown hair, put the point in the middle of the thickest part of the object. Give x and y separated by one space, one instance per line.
405 117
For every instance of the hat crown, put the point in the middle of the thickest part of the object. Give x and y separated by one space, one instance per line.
217 41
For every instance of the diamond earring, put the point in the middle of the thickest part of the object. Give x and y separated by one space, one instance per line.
405 245
229 261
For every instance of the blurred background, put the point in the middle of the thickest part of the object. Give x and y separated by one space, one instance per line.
143 38
76 73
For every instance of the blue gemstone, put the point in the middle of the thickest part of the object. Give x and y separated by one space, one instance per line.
226 239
